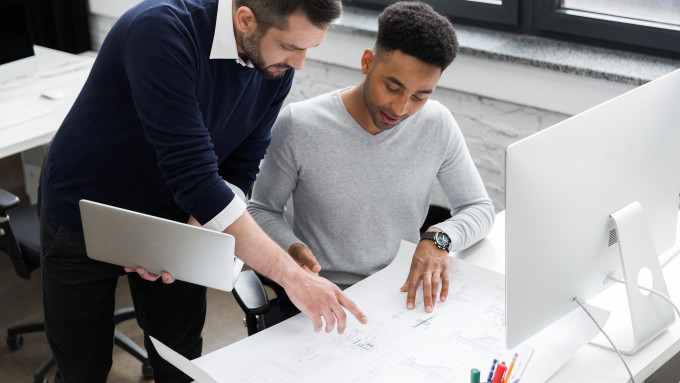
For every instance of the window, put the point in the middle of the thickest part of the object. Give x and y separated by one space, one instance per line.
501 12
648 26
660 11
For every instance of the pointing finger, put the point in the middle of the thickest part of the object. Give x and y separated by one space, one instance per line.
352 307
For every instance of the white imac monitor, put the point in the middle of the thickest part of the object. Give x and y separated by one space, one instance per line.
17 58
592 196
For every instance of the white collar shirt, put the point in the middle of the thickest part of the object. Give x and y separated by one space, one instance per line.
224 42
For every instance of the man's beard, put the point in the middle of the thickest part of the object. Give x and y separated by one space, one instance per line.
252 48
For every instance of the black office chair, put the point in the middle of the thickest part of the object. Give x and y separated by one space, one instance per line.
20 239
262 312
435 214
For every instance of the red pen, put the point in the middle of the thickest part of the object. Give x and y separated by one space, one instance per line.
500 372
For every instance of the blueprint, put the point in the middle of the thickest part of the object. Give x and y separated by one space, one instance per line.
466 331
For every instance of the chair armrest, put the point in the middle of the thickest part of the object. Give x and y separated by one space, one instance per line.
250 294
7 201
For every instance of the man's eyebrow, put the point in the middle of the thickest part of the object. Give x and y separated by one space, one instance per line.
291 46
398 83
295 47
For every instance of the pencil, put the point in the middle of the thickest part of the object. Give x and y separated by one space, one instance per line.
512 364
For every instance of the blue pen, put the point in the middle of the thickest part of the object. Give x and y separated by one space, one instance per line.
493 368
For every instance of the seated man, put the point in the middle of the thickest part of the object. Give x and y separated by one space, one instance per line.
360 164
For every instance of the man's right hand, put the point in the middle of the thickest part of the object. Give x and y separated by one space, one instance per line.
317 297
304 257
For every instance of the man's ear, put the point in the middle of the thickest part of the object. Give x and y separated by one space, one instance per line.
367 60
244 21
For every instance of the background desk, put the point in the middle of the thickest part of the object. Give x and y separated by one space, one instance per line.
592 363
40 131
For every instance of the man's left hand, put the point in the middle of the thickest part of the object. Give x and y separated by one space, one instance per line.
166 277
429 265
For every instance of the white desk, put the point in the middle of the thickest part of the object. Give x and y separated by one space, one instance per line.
593 363
40 131
588 364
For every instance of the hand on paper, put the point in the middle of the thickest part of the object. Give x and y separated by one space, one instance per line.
429 265
317 297
305 258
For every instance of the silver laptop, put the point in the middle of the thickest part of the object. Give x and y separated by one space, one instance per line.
191 254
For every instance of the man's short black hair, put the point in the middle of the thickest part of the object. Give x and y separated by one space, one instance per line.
275 13
418 30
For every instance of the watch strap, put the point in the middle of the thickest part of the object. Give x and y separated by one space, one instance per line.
428 235
432 235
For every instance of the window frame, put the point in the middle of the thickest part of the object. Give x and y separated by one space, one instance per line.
473 11
548 18
551 19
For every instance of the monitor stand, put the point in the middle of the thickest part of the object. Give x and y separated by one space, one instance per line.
646 315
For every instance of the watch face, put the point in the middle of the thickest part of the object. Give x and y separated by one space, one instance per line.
442 240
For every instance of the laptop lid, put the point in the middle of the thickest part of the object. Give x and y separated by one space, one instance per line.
191 254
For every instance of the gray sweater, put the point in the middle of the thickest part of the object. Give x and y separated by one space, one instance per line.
356 195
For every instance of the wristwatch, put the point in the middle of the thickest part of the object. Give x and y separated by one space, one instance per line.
440 239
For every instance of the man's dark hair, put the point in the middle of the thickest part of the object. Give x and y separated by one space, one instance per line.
275 13
418 30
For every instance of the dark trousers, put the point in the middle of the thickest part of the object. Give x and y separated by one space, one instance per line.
78 295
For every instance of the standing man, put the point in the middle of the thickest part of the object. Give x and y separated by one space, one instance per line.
360 163
173 122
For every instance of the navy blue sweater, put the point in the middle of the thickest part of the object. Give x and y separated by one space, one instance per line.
158 125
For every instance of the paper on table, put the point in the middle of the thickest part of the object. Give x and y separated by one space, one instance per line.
466 331
184 364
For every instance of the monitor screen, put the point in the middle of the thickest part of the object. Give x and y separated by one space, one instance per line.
562 185
15 38
17 58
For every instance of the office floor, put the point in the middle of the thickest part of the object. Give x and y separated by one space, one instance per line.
21 301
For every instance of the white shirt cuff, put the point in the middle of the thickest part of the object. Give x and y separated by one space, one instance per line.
230 213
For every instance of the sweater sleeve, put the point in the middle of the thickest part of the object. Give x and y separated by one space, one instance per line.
471 208
276 182
160 60
243 164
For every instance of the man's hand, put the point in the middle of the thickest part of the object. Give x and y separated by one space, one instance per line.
429 265
145 274
304 257
317 297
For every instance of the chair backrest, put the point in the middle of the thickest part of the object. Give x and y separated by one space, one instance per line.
19 237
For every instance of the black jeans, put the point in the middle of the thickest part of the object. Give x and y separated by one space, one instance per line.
78 299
